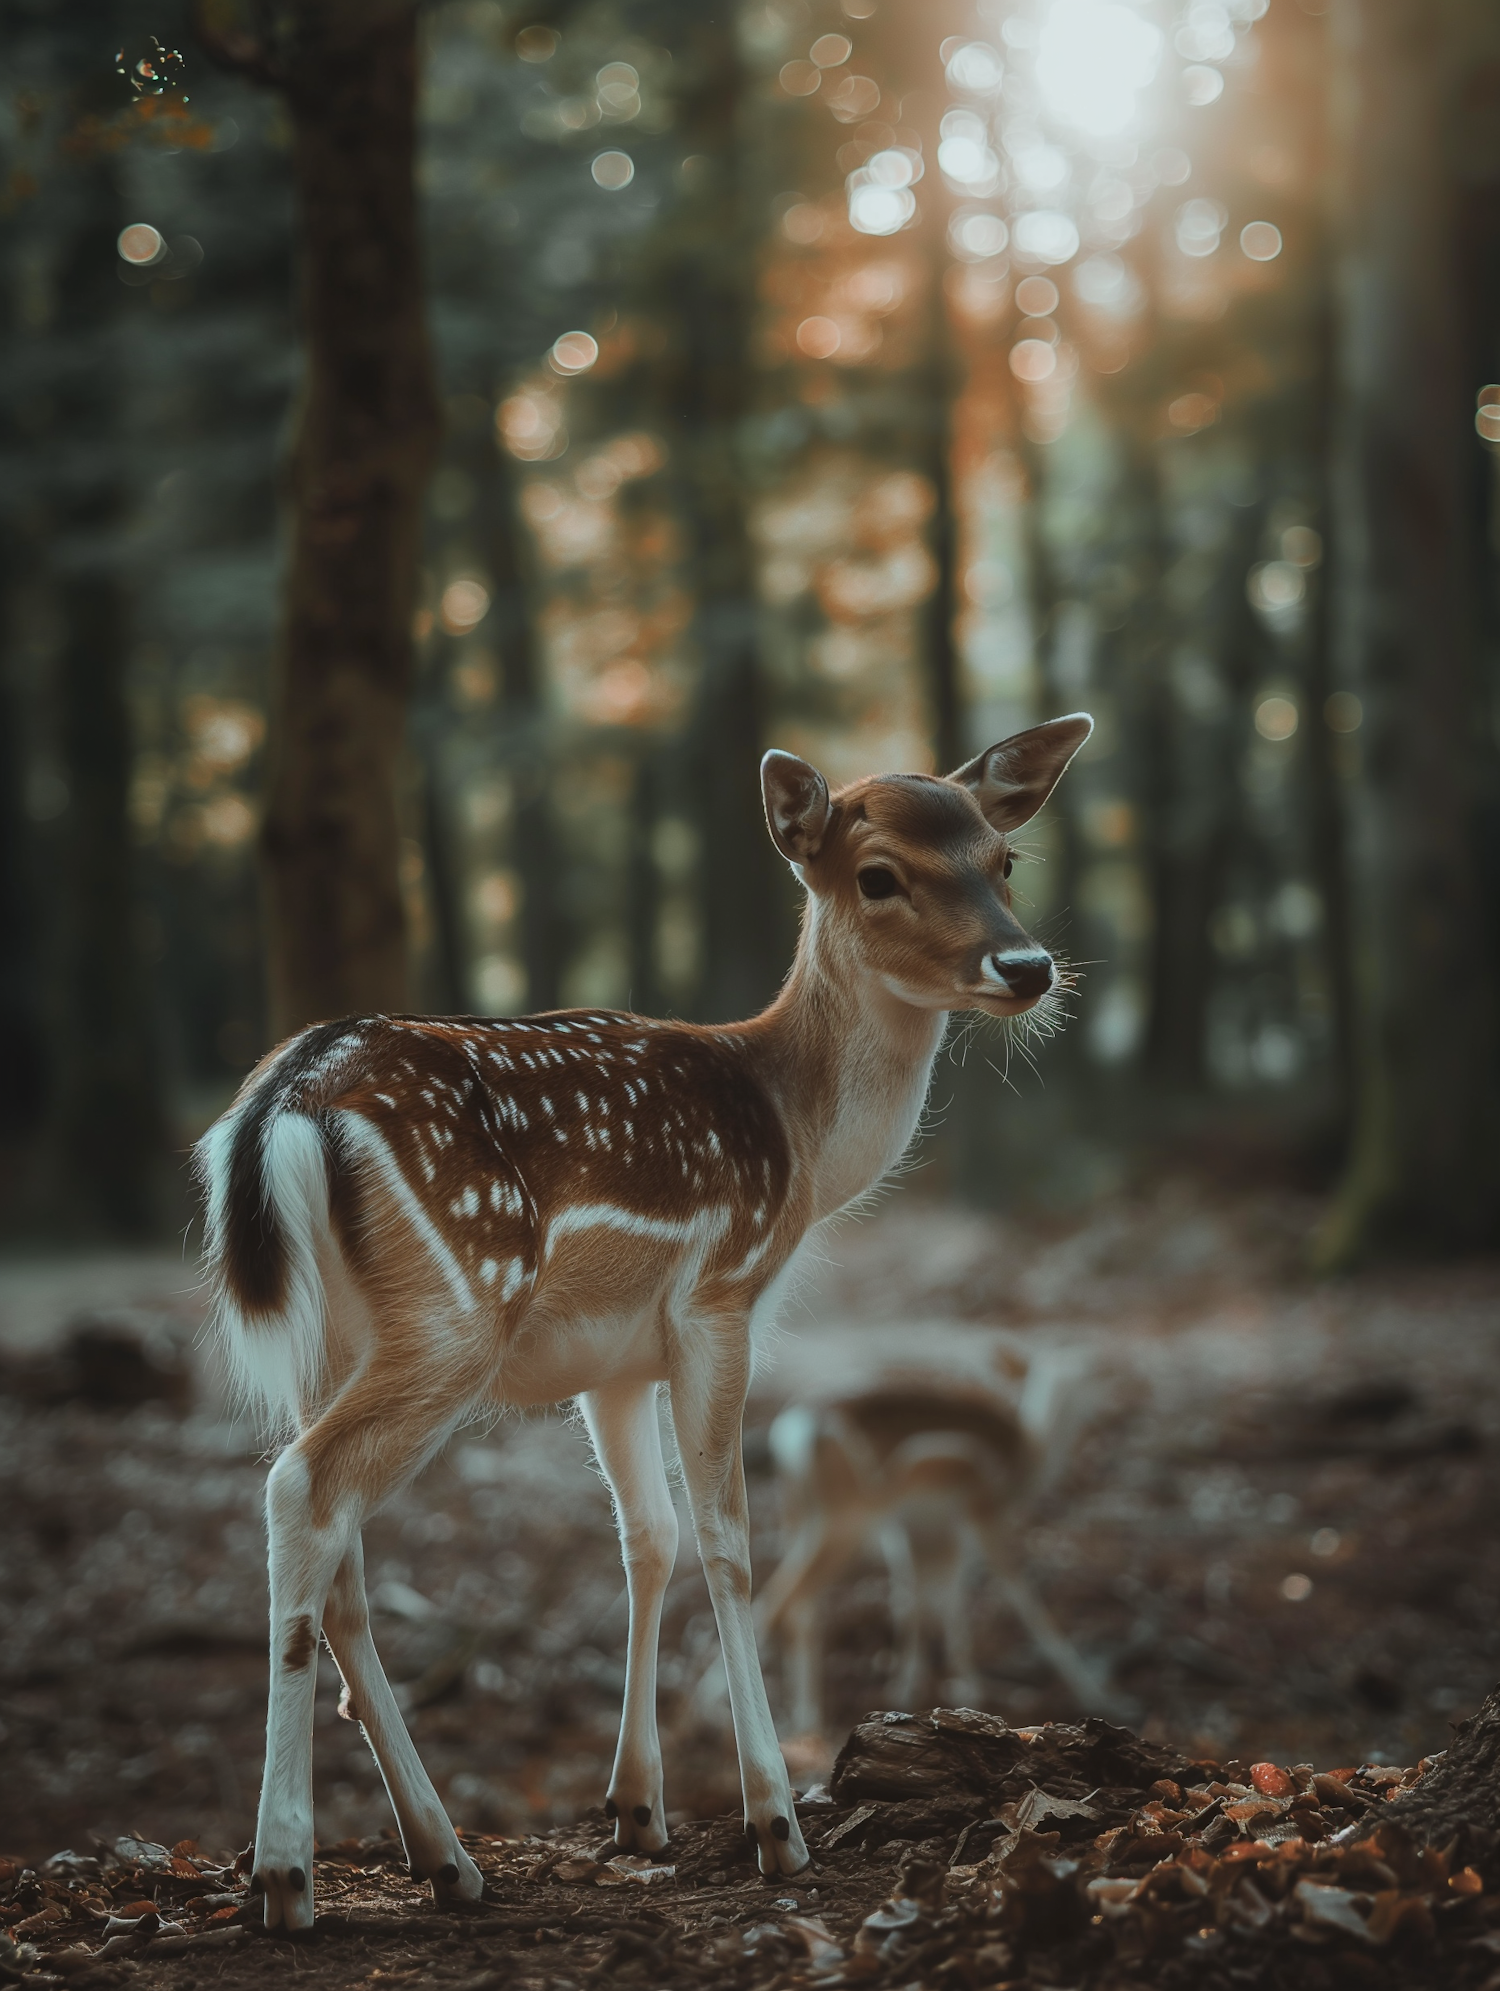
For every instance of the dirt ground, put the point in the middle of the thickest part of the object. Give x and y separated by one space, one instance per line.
1278 1534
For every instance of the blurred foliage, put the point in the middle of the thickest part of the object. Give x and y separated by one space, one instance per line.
870 380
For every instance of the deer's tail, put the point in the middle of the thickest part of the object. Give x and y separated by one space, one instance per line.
267 1169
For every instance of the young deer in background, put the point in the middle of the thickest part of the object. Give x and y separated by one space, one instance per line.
412 1221
941 1472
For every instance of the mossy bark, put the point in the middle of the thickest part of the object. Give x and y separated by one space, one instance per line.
1423 1160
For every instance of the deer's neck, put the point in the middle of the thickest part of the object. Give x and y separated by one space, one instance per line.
849 1065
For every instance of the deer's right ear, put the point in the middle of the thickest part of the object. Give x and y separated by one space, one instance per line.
797 805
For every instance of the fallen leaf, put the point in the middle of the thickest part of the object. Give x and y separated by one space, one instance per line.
143 1853
1333 1908
42 1919
1254 1807
576 1873
1271 1780
632 1868
852 1823
1038 1804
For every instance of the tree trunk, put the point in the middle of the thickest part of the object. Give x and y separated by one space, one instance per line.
366 437
1193 819
105 1139
1423 1164
1459 1797
747 930
544 925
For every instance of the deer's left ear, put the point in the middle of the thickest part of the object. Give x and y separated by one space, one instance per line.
1010 782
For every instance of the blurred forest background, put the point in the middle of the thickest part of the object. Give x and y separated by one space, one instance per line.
867 379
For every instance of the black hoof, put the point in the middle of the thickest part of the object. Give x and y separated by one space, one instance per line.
780 1829
447 1874
257 1883
296 1880
642 1814
752 1837
611 1809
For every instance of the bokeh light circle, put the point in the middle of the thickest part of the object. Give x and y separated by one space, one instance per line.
140 243
875 210
464 606
1276 717
1037 296
976 236
818 338
613 170
1033 360
574 352
1261 241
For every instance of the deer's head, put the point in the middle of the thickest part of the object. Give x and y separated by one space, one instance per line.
910 873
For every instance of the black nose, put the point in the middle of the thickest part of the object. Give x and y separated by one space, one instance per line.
1026 975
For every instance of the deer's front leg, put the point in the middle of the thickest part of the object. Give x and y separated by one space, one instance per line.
709 1381
627 1442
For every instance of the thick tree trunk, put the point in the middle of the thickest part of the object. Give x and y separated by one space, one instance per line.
366 438
1424 1153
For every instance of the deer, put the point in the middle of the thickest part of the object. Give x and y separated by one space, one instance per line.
940 1471
414 1222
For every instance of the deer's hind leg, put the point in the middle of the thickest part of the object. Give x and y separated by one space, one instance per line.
432 1847
369 1442
627 1442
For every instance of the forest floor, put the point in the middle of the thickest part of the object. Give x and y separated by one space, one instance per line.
1278 1534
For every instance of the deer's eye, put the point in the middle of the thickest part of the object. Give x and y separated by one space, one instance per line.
1010 865
878 883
